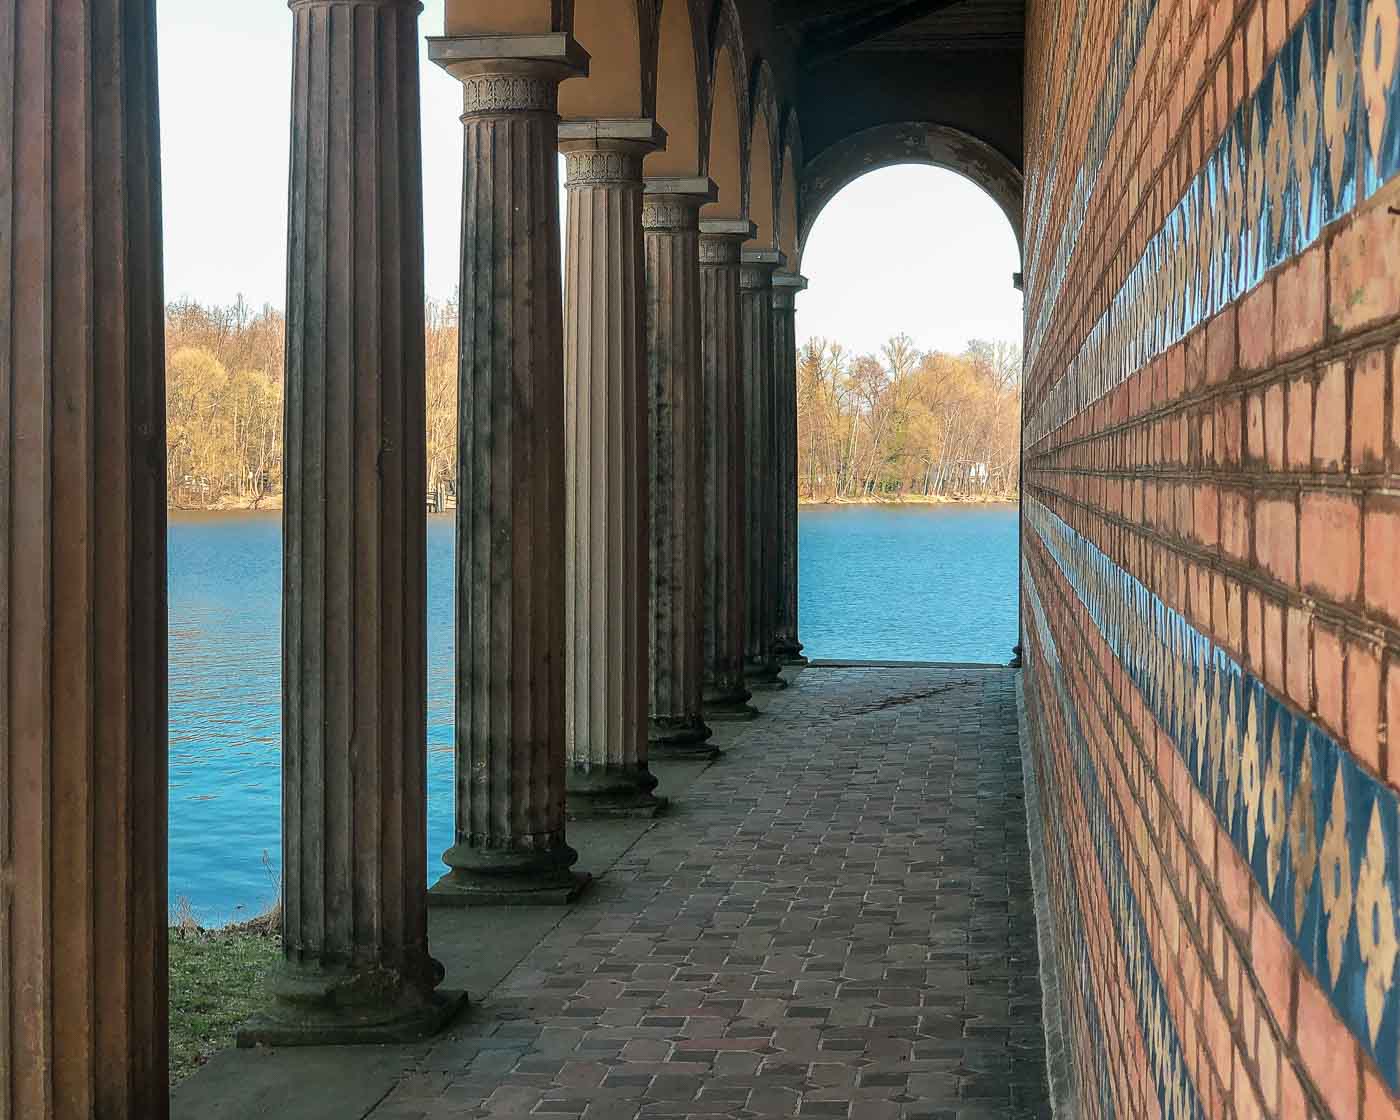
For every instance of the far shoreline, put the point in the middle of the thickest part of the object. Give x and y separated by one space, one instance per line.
273 503
910 500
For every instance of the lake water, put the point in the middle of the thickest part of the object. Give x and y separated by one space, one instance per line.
901 583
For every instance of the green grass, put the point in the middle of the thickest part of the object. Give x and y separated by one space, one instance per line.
216 982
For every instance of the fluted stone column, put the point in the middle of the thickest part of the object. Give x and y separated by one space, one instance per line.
355 962
671 220
725 585
761 664
510 844
82 568
787 646
605 440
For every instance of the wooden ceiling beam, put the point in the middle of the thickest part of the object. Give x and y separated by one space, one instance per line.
849 34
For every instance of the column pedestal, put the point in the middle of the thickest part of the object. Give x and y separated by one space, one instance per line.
355 936
762 669
725 583
510 840
83 916
671 221
605 439
786 645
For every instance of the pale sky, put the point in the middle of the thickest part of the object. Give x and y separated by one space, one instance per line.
915 249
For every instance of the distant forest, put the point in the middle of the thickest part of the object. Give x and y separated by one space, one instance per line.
903 424
907 424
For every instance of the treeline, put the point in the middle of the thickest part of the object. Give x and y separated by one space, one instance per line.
908 424
223 394
898 425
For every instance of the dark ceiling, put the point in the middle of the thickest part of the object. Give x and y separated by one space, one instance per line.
827 29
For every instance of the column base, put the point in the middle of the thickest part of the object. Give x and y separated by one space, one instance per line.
728 702
676 738
731 713
345 1007
611 791
764 676
671 732
501 877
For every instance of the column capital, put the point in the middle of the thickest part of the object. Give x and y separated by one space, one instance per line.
599 153
610 132
728 227
793 281
758 267
674 203
509 73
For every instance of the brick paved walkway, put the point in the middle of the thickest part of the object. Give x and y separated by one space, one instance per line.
835 921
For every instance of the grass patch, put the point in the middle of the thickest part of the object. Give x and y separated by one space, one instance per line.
216 982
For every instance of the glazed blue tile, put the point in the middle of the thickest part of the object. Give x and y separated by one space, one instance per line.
1386 1048
1305 932
1379 165
1305 49
1339 194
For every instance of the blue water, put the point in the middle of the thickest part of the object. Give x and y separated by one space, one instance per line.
908 583
879 583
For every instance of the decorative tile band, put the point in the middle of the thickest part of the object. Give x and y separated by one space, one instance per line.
1175 1091
1325 118
1318 832
1122 59
1072 940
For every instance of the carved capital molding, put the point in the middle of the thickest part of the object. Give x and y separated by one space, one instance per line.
719 249
592 167
509 93
755 278
675 211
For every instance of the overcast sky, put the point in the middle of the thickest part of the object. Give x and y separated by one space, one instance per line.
908 248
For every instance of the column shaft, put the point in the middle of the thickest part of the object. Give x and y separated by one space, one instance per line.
761 665
725 583
787 645
354 680
605 439
82 569
510 843
671 219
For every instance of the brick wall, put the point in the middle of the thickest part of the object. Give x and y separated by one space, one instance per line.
1211 547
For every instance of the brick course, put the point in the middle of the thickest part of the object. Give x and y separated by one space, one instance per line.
1212 418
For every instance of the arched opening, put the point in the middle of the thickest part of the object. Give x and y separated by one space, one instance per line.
915 142
787 204
726 153
619 73
908 391
678 93
762 210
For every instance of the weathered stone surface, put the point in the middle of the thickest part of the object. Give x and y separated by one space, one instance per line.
355 939
725 603
787 646
510 831
841 924
670 219
82 567
605 438
761 664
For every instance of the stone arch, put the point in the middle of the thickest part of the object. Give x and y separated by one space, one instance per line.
763 126
680 98
620 37
727 111
788 222
912 142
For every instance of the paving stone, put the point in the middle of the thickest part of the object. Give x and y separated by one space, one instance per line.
835 922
